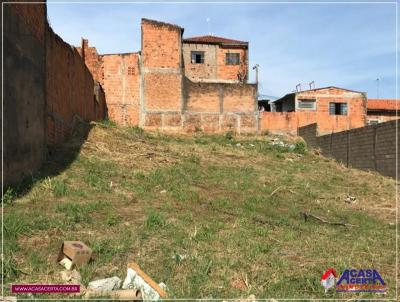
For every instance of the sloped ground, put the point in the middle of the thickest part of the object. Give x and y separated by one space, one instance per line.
210 216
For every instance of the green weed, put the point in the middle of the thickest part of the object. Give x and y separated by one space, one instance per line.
300 147
9 196
155 220
107 123
60 188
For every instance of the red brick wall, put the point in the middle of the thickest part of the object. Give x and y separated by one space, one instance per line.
220 97
203 97
240 98
32 16
24 95
162 69
210 107
163 91
47 87
121 86
70 90
119 75
288 122
92 60
230 72
161 45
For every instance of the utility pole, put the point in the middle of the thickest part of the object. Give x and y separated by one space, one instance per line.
377 87
256 68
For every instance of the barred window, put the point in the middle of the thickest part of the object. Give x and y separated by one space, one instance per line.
197 57
232 59
338 108
307 104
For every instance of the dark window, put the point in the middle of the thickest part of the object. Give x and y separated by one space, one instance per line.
197 57
232 59
337 108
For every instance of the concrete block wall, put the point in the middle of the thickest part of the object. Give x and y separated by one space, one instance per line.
338 146
309 134
385 148
369 148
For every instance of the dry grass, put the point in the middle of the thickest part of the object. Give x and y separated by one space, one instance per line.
231 206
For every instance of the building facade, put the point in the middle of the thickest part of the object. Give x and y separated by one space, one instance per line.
210 58
382 110
176 84
332 108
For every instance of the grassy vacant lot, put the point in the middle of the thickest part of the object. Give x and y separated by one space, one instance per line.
210 216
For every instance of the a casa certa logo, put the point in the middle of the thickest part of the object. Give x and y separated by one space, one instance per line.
362 280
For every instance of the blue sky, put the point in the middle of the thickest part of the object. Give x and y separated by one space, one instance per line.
345 45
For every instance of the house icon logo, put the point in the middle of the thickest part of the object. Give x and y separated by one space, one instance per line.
328 279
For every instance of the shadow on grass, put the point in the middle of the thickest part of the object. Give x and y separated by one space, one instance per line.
58 159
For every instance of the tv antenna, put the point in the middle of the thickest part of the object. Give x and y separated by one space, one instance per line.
377 87
208 20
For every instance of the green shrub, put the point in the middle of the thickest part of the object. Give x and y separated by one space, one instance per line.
229 135
300 147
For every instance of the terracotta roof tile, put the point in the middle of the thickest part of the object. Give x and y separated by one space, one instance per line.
214 40
383 104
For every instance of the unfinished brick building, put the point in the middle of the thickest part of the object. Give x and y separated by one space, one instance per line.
210 58
177 84
333 109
